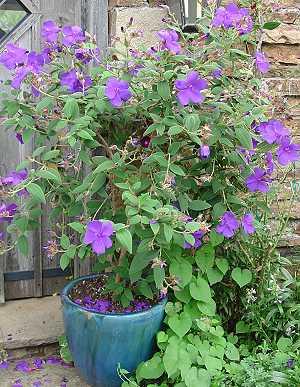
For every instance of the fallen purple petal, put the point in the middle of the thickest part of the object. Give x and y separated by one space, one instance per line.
4 365
23 366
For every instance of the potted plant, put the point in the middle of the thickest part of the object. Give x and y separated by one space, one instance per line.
148 160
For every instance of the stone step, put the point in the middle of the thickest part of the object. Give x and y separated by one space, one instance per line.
29 324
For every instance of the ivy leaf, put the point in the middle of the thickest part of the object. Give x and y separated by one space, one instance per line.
241 277
180 324
151 369
125 238
231 352
214 275
200 290
222 265
36 192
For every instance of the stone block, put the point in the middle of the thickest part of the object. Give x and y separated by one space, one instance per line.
284 34
127 3
282 53
147 20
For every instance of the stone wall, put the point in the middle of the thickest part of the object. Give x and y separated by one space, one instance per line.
281 44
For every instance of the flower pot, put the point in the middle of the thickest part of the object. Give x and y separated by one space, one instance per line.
100 342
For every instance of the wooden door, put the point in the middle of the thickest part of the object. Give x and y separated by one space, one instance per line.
20 22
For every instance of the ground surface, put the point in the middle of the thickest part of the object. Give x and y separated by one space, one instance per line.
51 372
30 322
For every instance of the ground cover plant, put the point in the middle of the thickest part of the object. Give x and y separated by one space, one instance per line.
166 164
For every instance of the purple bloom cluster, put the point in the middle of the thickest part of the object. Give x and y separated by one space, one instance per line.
169 41
15 177
98 235
71 35
7 212
189 89
233 17
198 240
74 81
117 91
230 224
261 62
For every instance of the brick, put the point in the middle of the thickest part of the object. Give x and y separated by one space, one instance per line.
146 19
289 15
284 34
288 87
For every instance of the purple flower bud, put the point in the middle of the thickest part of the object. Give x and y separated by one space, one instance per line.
204 152
261 62
145 142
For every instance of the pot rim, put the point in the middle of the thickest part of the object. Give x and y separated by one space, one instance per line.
67 300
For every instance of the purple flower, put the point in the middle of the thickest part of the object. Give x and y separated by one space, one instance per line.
3 364
258 181
135 68
33 64
272 131
247 223
169 39
13 56
190 89
23 366
228 224
290 363
198 242
19 137
145 141
217 73
38 363
117 91
72 35
37 383
98 235
204 152
261 62
102 306
17 383
15 177
50 31
7 212
288 152
75 82
269 163
233 17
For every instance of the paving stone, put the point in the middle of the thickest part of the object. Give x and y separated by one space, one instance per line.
30 322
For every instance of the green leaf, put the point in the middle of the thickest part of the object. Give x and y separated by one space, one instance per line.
197 377
77 227
85 135
222 265
170 358
64 261
46 102
244 137
180 324
151 369
139 262
199 205
177 170
175 130
213 363
22 244
241 277
200 290
271 25
182 270
242 327
50 155
231 352
124 237
49 174
214 275
208 308
159 276
204 257
71 108
168 232
106 165
36 192
65 242
163 89
192 122
284 344
215 238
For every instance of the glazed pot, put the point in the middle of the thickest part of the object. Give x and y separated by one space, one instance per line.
100 342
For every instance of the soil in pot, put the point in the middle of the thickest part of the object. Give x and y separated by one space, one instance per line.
93 295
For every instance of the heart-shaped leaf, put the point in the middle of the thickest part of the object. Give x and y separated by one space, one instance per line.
214 275
222 264
180 324
200 290
241 277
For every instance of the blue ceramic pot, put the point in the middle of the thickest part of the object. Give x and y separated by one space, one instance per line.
99 342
